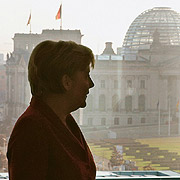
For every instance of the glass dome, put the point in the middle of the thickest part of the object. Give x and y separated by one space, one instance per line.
140 33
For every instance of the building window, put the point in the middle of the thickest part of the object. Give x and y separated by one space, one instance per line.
27 47
102 102
90 121
1 116
103 121
129 121
115 103
115 84
116 121
142 84
102 83
128 103
143 120
141 103
129 83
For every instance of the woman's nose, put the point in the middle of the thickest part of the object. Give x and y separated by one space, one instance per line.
91 83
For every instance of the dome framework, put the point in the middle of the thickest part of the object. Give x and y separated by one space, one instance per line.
140 33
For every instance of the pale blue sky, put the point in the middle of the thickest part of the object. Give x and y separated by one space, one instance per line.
99 20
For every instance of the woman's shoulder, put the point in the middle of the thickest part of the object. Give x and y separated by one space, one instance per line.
30 123
28 133
31 117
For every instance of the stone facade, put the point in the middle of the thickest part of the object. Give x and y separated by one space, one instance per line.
27 42
18 89
141 93
3 81
132 93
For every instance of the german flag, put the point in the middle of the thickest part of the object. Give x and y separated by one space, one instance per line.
58 15
29 20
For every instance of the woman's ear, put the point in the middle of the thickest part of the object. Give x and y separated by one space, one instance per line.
66 82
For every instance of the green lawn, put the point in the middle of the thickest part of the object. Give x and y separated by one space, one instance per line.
172 144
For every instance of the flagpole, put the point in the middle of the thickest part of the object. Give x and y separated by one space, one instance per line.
30 23
178 119
61 18
179 123
61 24
169 120
178 114
159 127
30 28
59 15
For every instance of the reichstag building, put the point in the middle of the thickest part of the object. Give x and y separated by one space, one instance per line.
136 90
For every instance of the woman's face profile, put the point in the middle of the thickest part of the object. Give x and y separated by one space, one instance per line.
81 83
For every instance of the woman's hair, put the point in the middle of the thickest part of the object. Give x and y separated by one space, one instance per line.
51 60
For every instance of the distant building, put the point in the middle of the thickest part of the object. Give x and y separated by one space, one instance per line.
137 91
140 33
27 42
1 58
18 90
3 84
3 88
129 93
